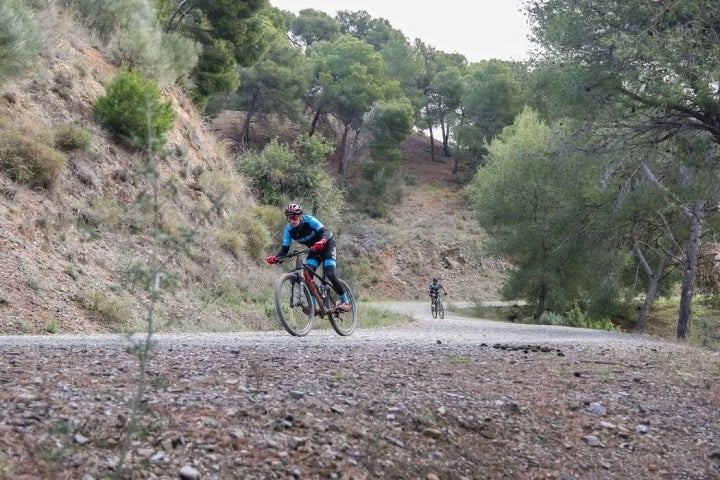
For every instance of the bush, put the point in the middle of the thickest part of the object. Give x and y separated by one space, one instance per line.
552 318
71 136
111 311
131 107
381 186
27 155
279 173
136 41
576 318
20 41
166 57
257 237
105 18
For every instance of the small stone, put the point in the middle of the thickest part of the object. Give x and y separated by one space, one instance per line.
432 433
395 441
157 457
189 473
597 409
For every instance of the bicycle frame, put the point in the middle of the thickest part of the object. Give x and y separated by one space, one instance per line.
308 278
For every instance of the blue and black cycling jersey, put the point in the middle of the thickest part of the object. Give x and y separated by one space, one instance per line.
307 233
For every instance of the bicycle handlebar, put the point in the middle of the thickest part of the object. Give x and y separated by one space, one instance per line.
293 253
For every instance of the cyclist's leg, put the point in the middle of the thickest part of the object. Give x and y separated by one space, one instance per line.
329 262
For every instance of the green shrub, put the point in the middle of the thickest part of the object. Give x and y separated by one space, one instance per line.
27 155
256 237
578 319
382 185
52 326
72 136
166 57
110 310
131 107
244 233
552 318
105 18
20 41
109 213
279 173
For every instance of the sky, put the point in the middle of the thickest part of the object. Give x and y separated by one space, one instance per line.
478 29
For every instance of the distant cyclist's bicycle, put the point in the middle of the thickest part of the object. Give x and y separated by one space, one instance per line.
301 293
436 307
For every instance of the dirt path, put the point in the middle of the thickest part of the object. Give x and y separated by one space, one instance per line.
435 399
460 329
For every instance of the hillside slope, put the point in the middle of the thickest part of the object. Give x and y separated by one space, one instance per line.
67 252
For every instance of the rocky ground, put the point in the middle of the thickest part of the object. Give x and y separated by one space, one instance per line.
450 399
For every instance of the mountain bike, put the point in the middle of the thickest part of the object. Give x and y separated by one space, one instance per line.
436 307
302 293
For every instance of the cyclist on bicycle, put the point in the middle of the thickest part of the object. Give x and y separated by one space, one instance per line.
309 231
435 287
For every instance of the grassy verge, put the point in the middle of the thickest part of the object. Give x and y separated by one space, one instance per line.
704 327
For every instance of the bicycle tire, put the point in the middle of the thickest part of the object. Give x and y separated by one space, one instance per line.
343 323
440 309
294 308
433 308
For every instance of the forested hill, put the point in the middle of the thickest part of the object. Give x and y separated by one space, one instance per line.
78 238
593 167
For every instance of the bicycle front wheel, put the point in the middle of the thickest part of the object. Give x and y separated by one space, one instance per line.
440 309
343 323
433 309
293 305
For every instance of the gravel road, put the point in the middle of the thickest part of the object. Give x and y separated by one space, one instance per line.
438 399
452 330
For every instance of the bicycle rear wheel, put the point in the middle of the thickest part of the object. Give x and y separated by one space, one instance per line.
293 305
440 309
343 323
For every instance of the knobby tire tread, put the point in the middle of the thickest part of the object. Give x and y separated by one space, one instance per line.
343 323
292 318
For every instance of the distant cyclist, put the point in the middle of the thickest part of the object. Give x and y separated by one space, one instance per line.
434 290
307 230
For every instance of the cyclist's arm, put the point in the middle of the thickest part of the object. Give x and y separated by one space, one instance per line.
287 240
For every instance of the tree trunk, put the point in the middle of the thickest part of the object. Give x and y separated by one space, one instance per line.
248 118
344 153
313 124
648 303
542 299
432 143
446 137
696 216
653 283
